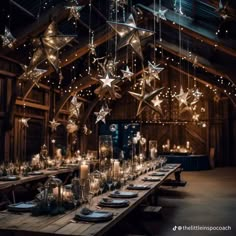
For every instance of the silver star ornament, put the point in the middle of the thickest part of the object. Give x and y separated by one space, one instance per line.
54 124
7 39
24 121
130 34
101 115
127 73
74 12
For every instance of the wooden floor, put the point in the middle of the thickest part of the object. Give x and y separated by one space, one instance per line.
208 199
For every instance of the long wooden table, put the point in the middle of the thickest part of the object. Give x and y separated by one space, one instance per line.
31 178
12 224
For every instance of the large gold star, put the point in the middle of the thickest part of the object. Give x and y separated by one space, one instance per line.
145 99
130 34
48 47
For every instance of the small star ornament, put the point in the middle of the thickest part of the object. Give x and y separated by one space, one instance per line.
8 39
127 73
24 121
154 70
108 87
160 14
157 102
182 97
130 34
74 12
74 108
101 115
195 117
54 124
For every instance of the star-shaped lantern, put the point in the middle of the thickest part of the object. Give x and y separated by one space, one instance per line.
24 121
182 97
7 39
74 12
101 115
54 124
145 99
33 74
48 47
127 73
160 14
130 34
74 108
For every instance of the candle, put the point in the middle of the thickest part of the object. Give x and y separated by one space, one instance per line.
83 171
116 168
187 144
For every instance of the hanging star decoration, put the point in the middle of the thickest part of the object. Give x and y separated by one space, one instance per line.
54 124
74 108
101 115
106 81
119 3
157 103
86 130
196 94
145 99
153 72
130 34
127 73
195 117
24 121
48 47
71 127
8 39
33 74
160 14
108 87
182 97
74 12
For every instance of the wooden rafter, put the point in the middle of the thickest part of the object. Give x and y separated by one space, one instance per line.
196 32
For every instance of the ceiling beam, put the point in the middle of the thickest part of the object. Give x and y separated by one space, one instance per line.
195 31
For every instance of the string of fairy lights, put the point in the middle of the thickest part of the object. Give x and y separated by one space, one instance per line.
107 75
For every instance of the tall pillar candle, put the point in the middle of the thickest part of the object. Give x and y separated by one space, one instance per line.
116 169
84 170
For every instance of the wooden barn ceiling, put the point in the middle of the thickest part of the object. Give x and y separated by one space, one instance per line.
202 36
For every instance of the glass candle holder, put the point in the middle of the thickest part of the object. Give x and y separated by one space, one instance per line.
105 151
